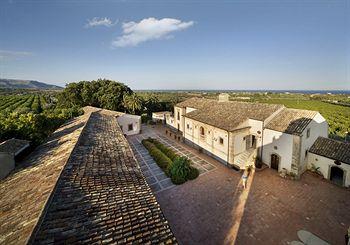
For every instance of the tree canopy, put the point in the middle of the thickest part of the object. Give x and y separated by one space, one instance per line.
101 93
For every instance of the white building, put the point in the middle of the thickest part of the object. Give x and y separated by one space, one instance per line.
331 158
237 132
160 116
130 124
9 150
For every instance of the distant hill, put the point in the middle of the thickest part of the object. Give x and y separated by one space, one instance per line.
25 84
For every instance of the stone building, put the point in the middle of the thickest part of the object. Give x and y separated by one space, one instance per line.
236 133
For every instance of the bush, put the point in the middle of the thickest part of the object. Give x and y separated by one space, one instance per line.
181 171
161 159
194 173
167 151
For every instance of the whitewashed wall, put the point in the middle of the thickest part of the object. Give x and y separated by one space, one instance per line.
126 119
324 166
284 144
189 109
239 143
318 127
257 130
211 141
179 121
170 120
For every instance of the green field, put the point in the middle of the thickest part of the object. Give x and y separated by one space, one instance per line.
20 113
337 116
31 116
24 103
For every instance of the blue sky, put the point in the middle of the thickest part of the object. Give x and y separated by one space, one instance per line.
178 44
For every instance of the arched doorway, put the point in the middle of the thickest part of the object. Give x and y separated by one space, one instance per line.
337 175
275 161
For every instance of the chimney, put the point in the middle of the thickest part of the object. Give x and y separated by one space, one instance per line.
224 97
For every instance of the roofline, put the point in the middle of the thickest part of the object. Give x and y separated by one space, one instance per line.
230 101
334 140
322 155
305 126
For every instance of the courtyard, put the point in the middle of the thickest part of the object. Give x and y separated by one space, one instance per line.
214 208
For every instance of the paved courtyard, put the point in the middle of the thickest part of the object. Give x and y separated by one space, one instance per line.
214 209
155 176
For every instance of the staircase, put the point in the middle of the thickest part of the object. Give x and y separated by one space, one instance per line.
245 158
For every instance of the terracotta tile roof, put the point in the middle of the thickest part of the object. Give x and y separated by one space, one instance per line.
24 192
227 115
101 195
13 146
333 149
291 121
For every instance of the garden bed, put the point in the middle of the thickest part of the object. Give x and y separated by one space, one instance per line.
178 168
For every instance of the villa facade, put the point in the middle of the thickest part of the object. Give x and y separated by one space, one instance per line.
236 133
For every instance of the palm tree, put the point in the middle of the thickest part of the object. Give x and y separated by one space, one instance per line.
132 103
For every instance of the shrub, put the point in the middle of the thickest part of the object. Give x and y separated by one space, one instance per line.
193 173
161 159
167 151
181 170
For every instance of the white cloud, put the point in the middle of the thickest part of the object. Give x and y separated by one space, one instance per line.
149 29
97 21
8 54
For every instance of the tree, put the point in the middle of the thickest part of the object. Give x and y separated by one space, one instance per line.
132 103
152 104
101 93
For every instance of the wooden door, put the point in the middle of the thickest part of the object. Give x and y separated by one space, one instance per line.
275 161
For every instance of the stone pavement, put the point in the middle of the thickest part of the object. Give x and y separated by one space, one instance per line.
205 211
155 176
214 209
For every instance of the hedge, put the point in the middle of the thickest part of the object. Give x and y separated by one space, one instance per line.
178 168
167 151
161 159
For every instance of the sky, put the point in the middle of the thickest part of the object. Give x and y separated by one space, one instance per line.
252 44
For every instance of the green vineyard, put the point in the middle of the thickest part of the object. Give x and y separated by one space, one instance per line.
32 116
24 103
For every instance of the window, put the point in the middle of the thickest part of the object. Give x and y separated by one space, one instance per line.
308 133
188 126
306 153
202 131
221 140
130 127
178 115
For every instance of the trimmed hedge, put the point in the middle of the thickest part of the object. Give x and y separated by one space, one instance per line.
167 151
178 168
161 159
